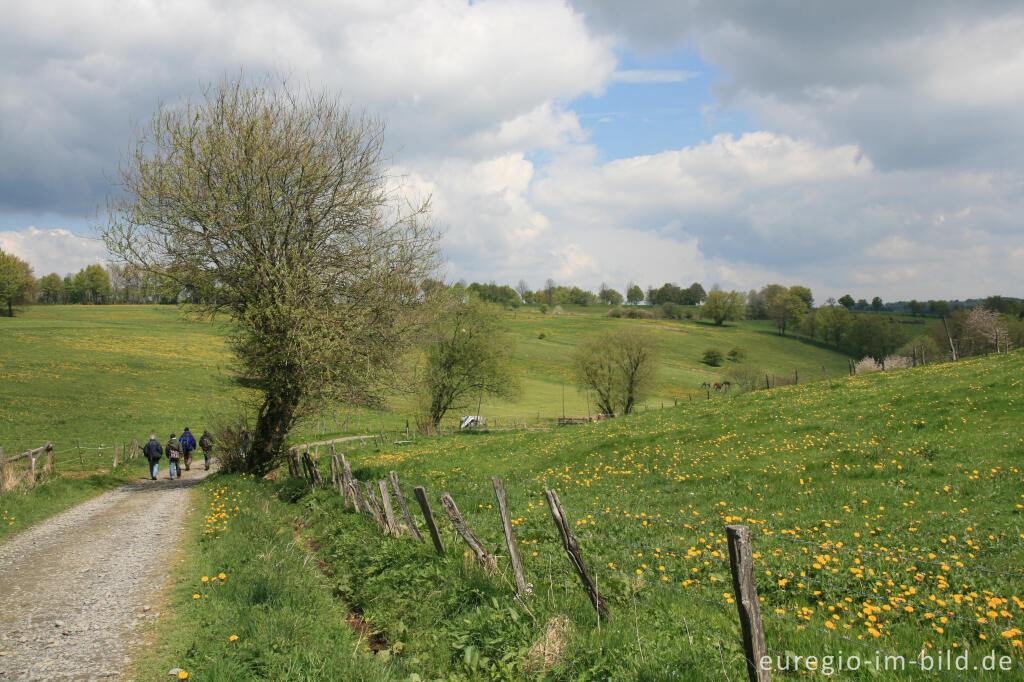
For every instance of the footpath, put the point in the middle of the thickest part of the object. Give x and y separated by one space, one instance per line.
77 590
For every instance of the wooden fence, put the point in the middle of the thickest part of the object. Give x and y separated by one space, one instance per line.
12 475
376 503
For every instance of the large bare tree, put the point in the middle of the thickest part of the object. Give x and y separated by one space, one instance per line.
275 202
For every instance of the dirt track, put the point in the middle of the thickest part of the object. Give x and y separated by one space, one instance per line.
77 589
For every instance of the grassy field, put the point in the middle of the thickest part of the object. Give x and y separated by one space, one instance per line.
98 375
885 511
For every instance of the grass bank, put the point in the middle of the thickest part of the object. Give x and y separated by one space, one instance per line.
249 602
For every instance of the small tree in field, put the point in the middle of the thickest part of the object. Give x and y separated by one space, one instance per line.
468 354
723 305
277 203
16 281
619 366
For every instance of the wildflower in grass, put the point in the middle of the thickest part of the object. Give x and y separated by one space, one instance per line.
195 596
205 578
183 675
233 638
221 576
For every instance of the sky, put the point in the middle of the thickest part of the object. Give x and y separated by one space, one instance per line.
870 148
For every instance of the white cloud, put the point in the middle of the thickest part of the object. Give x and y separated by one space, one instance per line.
49 251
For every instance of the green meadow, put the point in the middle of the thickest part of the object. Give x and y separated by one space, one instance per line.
98 375
885 510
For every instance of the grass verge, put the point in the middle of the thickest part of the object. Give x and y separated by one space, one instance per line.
248 603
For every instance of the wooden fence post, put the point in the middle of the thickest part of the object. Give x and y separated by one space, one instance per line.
463 529
421 497
378 513
347 481
572 548
510 539
32 470
360 500
3 481
50 467
413 530
334 472
741 561
115 456
389 512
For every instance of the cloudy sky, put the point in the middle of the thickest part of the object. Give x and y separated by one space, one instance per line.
871 148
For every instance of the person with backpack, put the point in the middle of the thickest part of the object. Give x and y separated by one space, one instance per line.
153 452
188 445
174 455
206 443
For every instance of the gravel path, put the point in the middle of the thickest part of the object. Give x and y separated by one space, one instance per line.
77 589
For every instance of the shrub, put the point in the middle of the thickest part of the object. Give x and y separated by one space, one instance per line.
639 314
615 312
541 336
737 354
713 357
672 311
543 308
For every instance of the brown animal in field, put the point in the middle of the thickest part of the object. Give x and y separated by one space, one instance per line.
706 384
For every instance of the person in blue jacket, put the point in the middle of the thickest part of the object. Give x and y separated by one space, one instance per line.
188 445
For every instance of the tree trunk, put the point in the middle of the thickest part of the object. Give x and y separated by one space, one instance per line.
272 426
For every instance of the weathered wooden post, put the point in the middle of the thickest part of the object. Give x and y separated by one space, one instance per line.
360 500
741 561
796 376
413 530
462 528
378 513
572 548
50 467
510 538
3 479
421 497
389 512
115 456
32 469
348 482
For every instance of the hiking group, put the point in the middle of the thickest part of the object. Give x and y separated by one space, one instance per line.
178 450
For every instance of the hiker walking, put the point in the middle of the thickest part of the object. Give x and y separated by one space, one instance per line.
206 443
153 452
188 444
174 455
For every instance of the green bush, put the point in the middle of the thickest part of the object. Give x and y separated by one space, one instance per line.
713 357
737 354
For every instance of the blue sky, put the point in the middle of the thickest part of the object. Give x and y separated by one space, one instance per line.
871 148
666 103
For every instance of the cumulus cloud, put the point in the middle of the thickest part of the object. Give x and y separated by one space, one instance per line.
49 251
447 76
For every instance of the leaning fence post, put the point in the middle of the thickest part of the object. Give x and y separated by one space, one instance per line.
463 529
741 561
360 501
404 507
510 538
378 513
572 548
389 512
421 497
